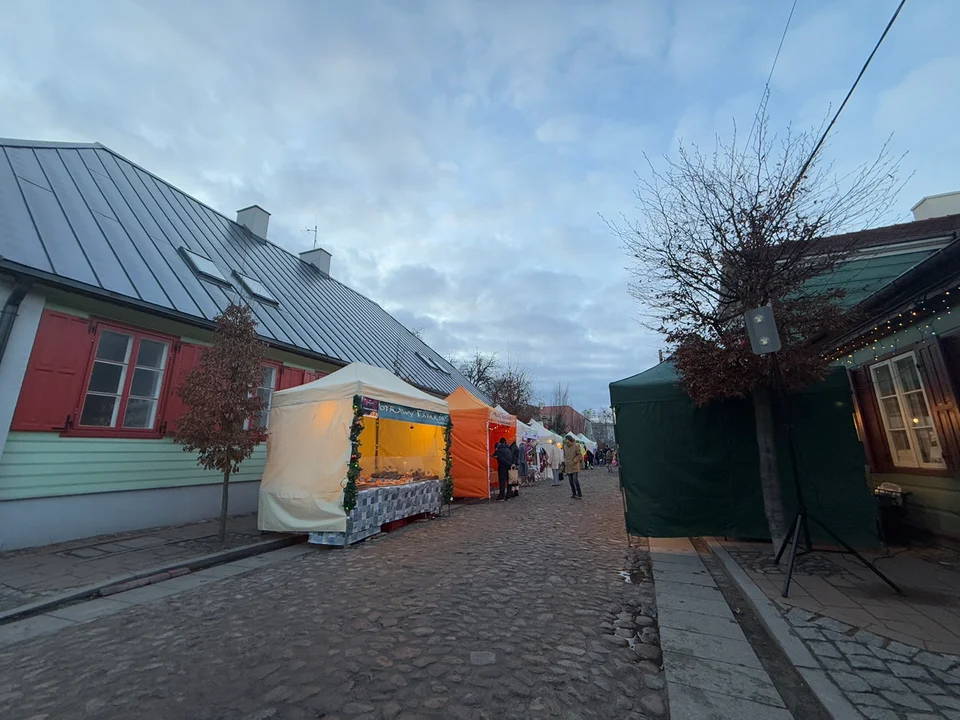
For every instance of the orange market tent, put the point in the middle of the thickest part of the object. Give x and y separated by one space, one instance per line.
476 429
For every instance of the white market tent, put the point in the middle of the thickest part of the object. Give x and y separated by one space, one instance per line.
591 445
308 445
526 432
543 435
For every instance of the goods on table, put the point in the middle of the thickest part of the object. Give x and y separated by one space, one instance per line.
389 476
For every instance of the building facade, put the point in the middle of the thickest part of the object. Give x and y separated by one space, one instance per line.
110 280
903 361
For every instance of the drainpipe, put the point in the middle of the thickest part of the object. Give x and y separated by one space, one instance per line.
9 314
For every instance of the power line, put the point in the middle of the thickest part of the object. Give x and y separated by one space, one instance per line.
823 138
773 66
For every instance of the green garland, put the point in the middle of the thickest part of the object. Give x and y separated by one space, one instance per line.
353 468
447 487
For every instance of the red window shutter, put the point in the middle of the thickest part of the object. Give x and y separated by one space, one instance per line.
309 376
942 398
185 360
871 425
290 377
56 373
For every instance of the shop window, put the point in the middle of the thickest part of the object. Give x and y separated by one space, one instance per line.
905 412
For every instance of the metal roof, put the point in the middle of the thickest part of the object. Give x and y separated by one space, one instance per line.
860 278
83 217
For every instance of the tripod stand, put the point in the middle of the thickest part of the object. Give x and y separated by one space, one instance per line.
801 522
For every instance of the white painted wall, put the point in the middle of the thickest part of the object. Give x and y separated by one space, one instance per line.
44 521
14 362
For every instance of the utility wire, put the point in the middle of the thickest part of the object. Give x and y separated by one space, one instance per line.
823 138
766 85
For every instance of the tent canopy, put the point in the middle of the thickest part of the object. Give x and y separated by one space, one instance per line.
688 470
476 429
544 435
308 444
364 380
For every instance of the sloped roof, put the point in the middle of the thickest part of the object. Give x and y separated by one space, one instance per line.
860 278
84 217
943 226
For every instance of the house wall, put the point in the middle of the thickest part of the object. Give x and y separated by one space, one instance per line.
55 488
934 500
43 521
933 503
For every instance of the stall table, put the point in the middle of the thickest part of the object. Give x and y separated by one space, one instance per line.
378 506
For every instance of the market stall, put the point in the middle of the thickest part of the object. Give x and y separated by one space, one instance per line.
352 452
476 429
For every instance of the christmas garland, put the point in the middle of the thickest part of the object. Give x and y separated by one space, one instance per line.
447 487
353 468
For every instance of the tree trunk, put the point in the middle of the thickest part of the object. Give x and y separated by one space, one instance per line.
224 504
769 472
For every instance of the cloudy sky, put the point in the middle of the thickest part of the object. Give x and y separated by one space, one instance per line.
457 156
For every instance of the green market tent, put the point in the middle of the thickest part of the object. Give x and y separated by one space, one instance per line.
692 471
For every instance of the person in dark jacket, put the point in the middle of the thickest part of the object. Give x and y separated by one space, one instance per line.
504 458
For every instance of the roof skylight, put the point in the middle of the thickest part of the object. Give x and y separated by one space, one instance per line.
256 288
431 363
204 266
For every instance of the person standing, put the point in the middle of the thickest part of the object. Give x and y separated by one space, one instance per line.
504 459
554 455
573 460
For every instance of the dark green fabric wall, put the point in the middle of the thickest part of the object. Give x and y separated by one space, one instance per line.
689 471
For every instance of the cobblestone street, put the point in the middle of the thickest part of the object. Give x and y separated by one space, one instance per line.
516 610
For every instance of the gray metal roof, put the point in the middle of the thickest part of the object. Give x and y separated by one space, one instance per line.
81 216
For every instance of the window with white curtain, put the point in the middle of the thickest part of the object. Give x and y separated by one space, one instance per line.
906 415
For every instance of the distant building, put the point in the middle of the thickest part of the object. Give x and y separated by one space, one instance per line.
575 422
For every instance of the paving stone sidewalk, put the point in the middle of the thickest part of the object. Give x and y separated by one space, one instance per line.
882 650
885 679
33 574
499 611
712 670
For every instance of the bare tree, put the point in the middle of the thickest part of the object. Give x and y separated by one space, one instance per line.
480 368
508 385
741 227
557 421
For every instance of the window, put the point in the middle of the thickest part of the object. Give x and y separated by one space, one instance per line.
268 382
123 390
906 416
431 363
204 266
256 288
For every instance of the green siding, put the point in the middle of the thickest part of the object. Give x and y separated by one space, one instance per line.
946 321
46 465
934 504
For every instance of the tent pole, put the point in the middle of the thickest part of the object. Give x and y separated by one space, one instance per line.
376 446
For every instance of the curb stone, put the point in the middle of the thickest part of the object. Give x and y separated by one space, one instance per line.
147 576
825 690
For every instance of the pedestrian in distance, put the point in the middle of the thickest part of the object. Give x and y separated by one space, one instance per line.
504 459
555 457
573 460
608 459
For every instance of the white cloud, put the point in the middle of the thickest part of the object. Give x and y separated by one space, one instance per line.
456 155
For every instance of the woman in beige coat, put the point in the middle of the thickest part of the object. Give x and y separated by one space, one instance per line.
573 460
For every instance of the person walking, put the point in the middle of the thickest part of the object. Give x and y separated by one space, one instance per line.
504 461
608 459
573 460
554 456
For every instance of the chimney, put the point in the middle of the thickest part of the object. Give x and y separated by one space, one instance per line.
319 258
937 206
255 219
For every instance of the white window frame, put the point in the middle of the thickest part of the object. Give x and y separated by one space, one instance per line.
914 460
274 372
